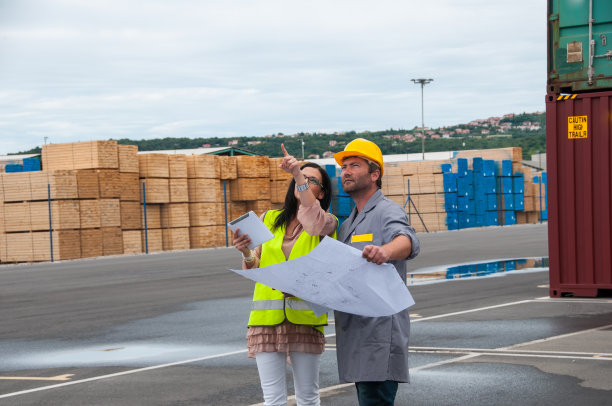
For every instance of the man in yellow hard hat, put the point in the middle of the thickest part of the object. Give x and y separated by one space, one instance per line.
373 351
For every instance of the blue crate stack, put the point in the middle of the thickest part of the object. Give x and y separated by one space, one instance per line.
507 194
542 183
489 175
466 208
451 203
13 168
31 164
489 194
342 204
518 189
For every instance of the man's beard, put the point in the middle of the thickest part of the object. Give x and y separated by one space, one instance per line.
354 185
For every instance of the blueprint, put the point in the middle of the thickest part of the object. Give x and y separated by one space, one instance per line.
335 276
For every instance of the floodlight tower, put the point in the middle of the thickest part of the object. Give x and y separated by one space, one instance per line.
423 82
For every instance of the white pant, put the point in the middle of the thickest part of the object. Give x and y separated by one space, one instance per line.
271 367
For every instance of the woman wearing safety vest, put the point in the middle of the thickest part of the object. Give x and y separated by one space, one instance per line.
282 326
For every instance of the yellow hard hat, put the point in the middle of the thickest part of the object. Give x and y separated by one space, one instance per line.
361 147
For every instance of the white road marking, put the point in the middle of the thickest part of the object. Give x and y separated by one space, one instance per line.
472 310
432 365
543 340
132 371
505 352
323 391
65 377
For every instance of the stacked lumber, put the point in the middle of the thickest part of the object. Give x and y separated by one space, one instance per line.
132 241
154 185
252 184
514 154
130 215
206 208
177 172
88 186
32 204
89 213
35 246
109 182
534 199
97 193
279 182
93 192
167 202
203 166
131 221
101 194
154 173
34 216
130 187
128 158
82 188
100 185
31 186
91 242
112 241
81 155
151 240
421 181
228 168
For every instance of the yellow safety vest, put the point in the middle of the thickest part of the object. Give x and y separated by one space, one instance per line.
270 307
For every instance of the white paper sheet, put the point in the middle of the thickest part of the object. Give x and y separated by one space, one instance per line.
252 225
335 276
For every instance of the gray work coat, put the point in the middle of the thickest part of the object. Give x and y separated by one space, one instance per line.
375 348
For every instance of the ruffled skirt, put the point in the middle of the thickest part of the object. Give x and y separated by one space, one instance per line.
284 338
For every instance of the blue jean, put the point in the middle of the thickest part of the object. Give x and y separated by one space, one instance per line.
376 393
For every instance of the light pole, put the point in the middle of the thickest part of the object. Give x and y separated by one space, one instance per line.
423 82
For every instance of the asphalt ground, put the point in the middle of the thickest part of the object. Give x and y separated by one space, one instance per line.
169 328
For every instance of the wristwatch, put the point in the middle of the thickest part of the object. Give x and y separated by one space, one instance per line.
303 187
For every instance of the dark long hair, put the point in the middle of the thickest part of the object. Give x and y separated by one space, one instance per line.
290 208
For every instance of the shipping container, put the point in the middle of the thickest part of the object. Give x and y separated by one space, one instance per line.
579 46
579 149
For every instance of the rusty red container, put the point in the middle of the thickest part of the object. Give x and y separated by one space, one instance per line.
579 164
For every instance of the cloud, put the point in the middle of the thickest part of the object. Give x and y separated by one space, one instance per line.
100 69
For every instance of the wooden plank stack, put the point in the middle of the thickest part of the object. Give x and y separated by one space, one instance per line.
533 199
422 181
80 155
97 194
26 211
514 154
279 182
252 184
97 204
165 184
206 205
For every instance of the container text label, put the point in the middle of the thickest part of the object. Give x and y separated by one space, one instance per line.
577 127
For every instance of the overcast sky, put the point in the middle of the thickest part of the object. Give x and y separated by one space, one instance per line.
80 70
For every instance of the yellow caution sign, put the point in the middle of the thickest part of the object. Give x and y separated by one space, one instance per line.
577 127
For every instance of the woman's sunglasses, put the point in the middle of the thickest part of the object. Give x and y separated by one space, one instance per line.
314 181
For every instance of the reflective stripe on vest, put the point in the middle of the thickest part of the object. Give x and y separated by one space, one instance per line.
280 304
270 307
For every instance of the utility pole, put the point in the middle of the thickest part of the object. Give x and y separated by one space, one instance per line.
423 82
